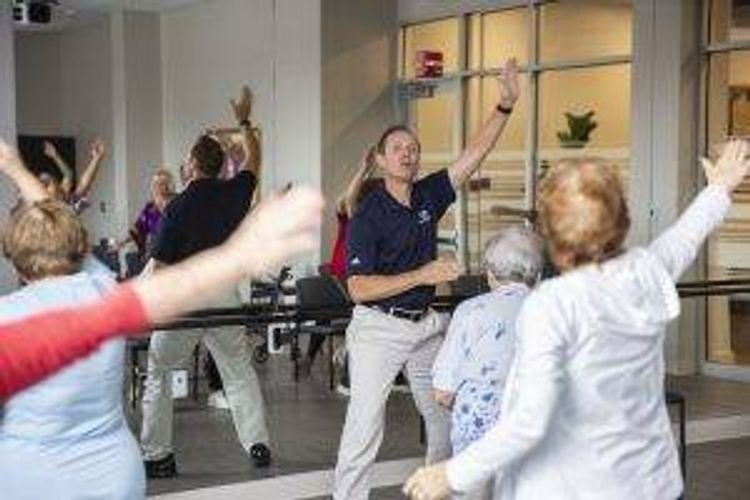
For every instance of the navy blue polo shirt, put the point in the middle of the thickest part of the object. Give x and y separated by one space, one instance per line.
203 216
387 238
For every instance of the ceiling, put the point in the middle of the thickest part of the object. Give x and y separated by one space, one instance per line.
103 5
72 12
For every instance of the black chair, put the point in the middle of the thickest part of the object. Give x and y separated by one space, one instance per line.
270 292
107 256
317 296
136 347
469 285
134 264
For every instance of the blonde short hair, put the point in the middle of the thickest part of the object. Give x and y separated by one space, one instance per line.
45 239
164 172
583 212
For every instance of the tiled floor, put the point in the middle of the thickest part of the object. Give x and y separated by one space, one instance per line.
306 419
719 470
711 397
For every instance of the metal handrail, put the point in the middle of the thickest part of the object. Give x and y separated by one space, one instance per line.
290 313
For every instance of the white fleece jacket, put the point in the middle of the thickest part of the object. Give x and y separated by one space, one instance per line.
584 415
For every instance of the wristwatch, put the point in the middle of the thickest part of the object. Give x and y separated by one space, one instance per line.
504 110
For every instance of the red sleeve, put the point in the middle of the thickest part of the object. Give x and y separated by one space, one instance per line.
37 346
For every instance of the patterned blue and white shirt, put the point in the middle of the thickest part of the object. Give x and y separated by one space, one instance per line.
475 359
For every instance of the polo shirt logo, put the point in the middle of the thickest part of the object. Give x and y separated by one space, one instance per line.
355 261
423 216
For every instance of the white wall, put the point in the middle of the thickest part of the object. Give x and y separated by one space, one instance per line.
208 52
39 77
7 126
7 77
143 105
100 78
360 46
297 92
87 112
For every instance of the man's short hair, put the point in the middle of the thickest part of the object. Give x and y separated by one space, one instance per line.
45 239
208 155
380 145
583 211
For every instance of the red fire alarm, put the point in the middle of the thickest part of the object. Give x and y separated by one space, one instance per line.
428 64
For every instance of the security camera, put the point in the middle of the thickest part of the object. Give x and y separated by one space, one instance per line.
33 11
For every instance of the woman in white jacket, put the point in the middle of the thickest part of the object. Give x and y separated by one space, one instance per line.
584 415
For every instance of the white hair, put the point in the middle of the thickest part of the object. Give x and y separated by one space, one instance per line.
514 254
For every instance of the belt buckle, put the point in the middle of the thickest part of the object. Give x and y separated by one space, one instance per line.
406 314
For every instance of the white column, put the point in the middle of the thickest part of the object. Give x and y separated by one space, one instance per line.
7 125
120 158
665 111
297 148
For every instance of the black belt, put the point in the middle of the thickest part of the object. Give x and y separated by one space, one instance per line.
410 314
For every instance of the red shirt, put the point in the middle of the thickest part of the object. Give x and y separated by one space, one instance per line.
338 259
37 346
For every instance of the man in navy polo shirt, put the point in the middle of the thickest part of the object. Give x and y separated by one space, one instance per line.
203 216
393 269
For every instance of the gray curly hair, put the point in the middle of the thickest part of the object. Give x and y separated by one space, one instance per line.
514 254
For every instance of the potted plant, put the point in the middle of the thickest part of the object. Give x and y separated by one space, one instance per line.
579 130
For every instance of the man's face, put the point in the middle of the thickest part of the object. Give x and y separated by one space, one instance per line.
400 159
189 171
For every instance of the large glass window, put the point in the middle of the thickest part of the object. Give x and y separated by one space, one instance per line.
440 36
569 73
580 93
728 21
585 29
727 113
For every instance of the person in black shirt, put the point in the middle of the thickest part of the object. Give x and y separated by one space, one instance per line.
392 272
201 217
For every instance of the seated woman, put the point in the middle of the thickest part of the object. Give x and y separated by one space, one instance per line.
584 415
471 368
73 422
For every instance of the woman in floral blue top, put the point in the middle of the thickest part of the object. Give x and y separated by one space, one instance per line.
470 370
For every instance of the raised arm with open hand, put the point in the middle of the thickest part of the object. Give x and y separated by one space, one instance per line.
731 167
97 151
678 246
483 141
50 151
12 166
242 110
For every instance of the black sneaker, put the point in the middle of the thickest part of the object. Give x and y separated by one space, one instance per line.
161 469
261 455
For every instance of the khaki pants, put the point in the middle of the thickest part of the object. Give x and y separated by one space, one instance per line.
379 346
231 352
